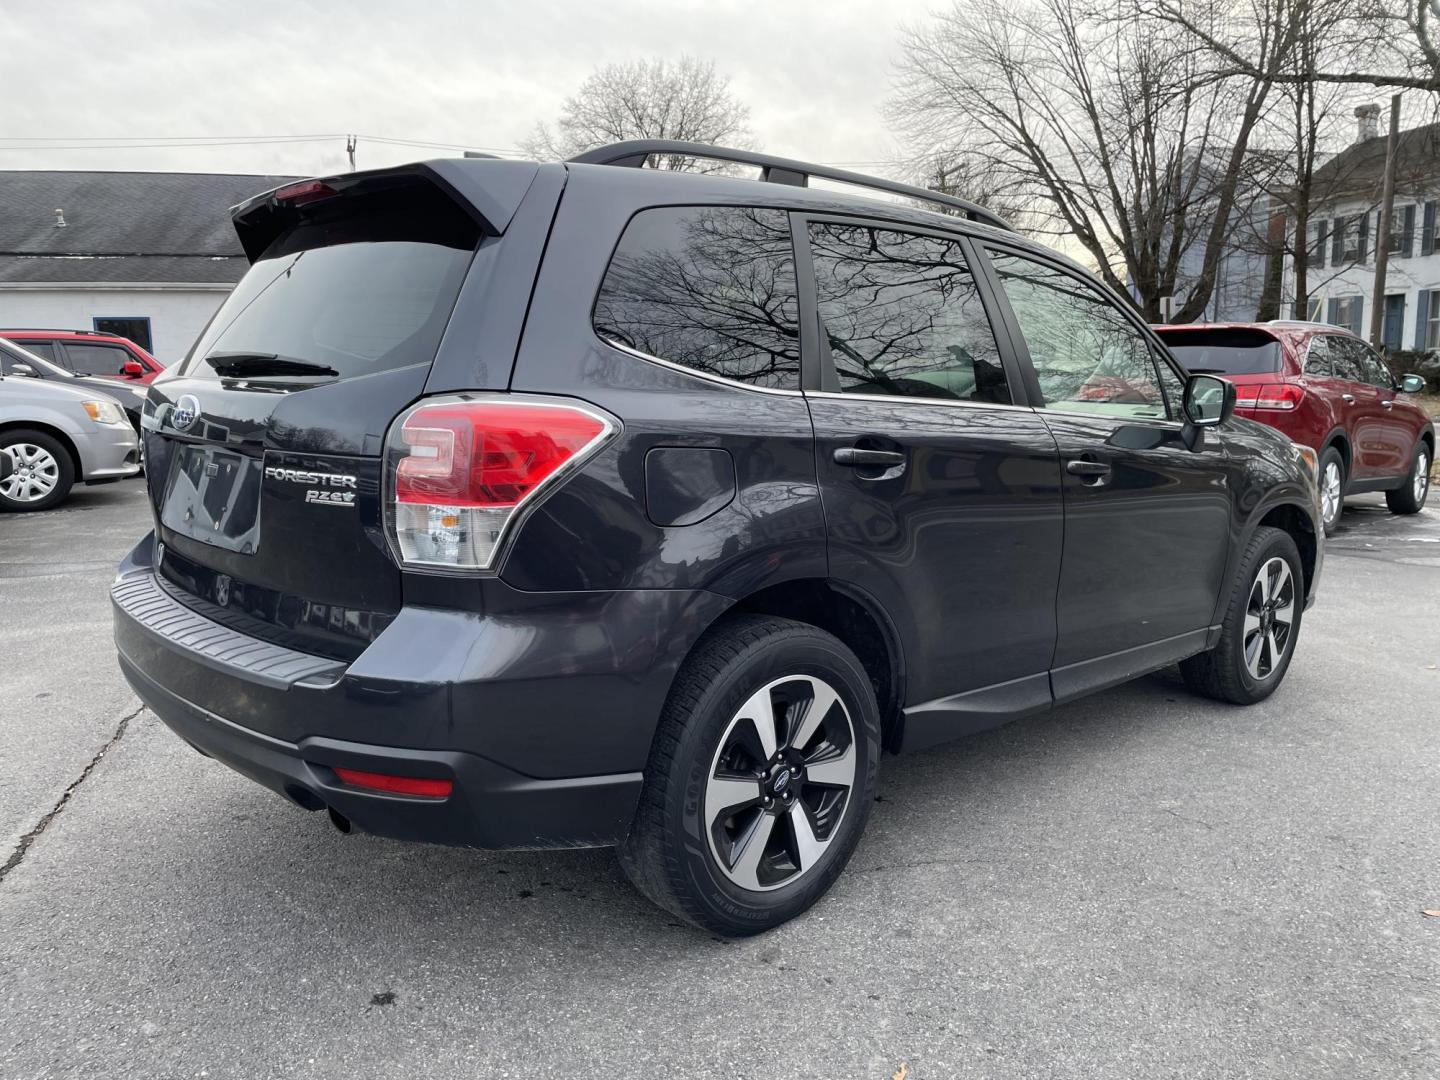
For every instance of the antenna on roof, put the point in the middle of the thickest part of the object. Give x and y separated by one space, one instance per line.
59 218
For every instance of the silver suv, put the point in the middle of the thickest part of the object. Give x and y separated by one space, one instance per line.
54 435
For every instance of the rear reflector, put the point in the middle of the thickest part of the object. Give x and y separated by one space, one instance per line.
306 191
1280 396
396 785
459 470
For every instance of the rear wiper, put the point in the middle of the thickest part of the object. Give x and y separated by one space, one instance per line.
1205 370
240 364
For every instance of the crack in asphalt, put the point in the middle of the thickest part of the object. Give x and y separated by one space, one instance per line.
27 841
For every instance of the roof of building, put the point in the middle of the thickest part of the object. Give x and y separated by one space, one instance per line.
144 227
1361 166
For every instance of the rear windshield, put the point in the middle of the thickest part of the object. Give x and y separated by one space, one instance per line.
354 294
1224 352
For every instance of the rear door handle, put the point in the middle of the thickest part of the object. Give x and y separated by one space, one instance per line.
1388 404
1089 470
1349 399
857 458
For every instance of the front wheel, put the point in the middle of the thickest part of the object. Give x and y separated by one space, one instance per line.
760 779
1409 498
1260 628
42 472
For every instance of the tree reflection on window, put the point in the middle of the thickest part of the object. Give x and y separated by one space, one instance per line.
711 288
902 315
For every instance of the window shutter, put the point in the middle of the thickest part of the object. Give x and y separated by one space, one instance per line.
1322 232
1357 316
1332 312
1337 241
1422 316
1427 230
1362 246
1407 223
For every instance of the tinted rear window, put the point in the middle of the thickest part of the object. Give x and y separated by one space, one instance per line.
710 288
1224 352
359 292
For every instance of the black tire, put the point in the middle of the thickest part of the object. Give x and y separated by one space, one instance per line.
1332 458
1226 672
64 471
1410 497
671 853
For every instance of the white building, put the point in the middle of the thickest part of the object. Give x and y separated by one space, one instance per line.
146 255
1346 228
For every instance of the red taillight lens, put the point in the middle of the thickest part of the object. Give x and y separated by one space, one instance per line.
460 470
1279 396
306 191
396 785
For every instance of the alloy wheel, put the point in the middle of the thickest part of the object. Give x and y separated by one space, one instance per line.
1269 618
1330 493
1422 476
780 782
35 474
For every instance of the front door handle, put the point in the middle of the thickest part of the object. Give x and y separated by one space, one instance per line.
1089 471
1388 404
857 458
1349 399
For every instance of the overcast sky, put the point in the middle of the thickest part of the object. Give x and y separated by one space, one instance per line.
478 74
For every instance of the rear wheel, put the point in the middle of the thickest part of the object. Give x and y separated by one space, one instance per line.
1332 488
760 780
41 474
1260 628
1409 498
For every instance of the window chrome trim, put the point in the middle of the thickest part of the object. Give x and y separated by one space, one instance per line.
707 376
893 398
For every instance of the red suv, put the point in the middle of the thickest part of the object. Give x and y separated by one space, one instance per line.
1327 389
88 352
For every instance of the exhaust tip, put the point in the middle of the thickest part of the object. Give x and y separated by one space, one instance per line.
339 820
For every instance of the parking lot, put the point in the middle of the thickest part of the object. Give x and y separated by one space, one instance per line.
1141 884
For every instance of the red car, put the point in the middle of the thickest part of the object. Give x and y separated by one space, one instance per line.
88 352
1327 389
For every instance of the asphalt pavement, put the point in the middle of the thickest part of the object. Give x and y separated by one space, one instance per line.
1142 884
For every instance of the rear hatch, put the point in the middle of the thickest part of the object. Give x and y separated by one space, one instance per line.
265 446
1239 354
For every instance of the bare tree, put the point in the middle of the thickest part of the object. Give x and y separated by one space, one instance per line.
1107 125
647 99
1393 44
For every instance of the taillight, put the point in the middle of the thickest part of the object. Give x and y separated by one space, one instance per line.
1281 396
459 470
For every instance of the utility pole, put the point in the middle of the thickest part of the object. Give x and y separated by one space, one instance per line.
350 149
1387 211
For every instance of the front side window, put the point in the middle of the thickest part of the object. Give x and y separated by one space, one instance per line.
1088 356
87 359
901 315
710 288
1377 373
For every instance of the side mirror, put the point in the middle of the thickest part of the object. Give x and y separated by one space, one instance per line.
1208 402
1412 384
22 368
132 369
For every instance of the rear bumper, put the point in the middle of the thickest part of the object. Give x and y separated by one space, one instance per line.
490 806
543 736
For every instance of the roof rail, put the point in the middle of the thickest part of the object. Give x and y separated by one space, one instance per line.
778 170
57 330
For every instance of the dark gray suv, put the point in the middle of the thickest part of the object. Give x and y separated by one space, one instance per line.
528 505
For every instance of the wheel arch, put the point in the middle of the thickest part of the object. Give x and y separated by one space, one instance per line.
854 617
1341 442
55 433
1291 518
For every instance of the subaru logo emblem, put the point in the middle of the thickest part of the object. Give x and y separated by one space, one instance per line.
185 413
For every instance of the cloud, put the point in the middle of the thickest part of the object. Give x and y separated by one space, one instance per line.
476 74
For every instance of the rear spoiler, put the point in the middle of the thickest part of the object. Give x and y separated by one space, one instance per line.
489 190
